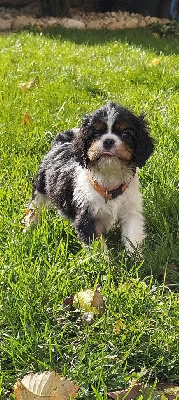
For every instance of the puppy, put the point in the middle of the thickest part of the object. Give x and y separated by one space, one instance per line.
90 175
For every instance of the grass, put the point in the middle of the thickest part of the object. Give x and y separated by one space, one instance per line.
138 335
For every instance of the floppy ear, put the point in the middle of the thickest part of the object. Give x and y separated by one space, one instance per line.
80 143
145 144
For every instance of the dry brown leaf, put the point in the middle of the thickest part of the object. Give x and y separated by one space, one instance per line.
98 300
26 119
25 86
119 325
68 301
29 218
128 394
45 386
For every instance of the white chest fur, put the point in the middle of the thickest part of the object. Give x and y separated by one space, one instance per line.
112 212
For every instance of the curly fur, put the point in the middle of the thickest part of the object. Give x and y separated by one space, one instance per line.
111 143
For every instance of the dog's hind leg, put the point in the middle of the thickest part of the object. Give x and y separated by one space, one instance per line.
39 199
34 209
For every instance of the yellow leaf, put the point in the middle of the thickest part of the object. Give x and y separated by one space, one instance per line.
154 62
45 386
25 86
26 119
119 325
90 300
84 300
155 35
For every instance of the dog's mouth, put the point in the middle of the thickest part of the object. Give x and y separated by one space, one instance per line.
107 154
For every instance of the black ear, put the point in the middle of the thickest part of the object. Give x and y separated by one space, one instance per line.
145 144
80 144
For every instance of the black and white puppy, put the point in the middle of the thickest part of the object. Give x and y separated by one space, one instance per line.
90 175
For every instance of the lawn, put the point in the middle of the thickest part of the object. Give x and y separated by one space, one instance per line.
137 337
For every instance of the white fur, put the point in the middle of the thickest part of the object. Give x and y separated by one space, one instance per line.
125 210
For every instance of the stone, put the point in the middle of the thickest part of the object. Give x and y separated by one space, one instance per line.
147 19
107 21
5 24
113 14
153 20
116 25
94 24
52 21
131 23
21 21
164 21
28 14
74 23
142 23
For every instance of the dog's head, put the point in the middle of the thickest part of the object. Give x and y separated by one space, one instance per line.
111 135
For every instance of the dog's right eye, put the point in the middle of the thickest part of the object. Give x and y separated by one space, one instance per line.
96 134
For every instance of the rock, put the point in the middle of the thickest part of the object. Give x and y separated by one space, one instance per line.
142 23
164 21
153 20
106 21
5 24
52 21
94 24
21 21
74 23
147 19
27 13
113 14
116 25
131 23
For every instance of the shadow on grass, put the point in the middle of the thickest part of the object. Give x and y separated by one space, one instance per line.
140 37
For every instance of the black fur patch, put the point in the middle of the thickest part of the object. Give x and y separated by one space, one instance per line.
63 137
85 226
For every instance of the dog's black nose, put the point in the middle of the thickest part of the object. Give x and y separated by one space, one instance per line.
108 144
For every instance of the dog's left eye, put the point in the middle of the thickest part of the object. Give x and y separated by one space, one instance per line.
125 134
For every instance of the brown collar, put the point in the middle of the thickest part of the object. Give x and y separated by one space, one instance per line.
108 194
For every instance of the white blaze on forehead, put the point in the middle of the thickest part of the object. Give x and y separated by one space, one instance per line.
111 114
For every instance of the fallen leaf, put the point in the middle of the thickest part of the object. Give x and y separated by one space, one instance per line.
45 386
119 325
129 393
26 119
68 301
84 299
25 86
90 300
29 218
155 35
154 62
98 300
